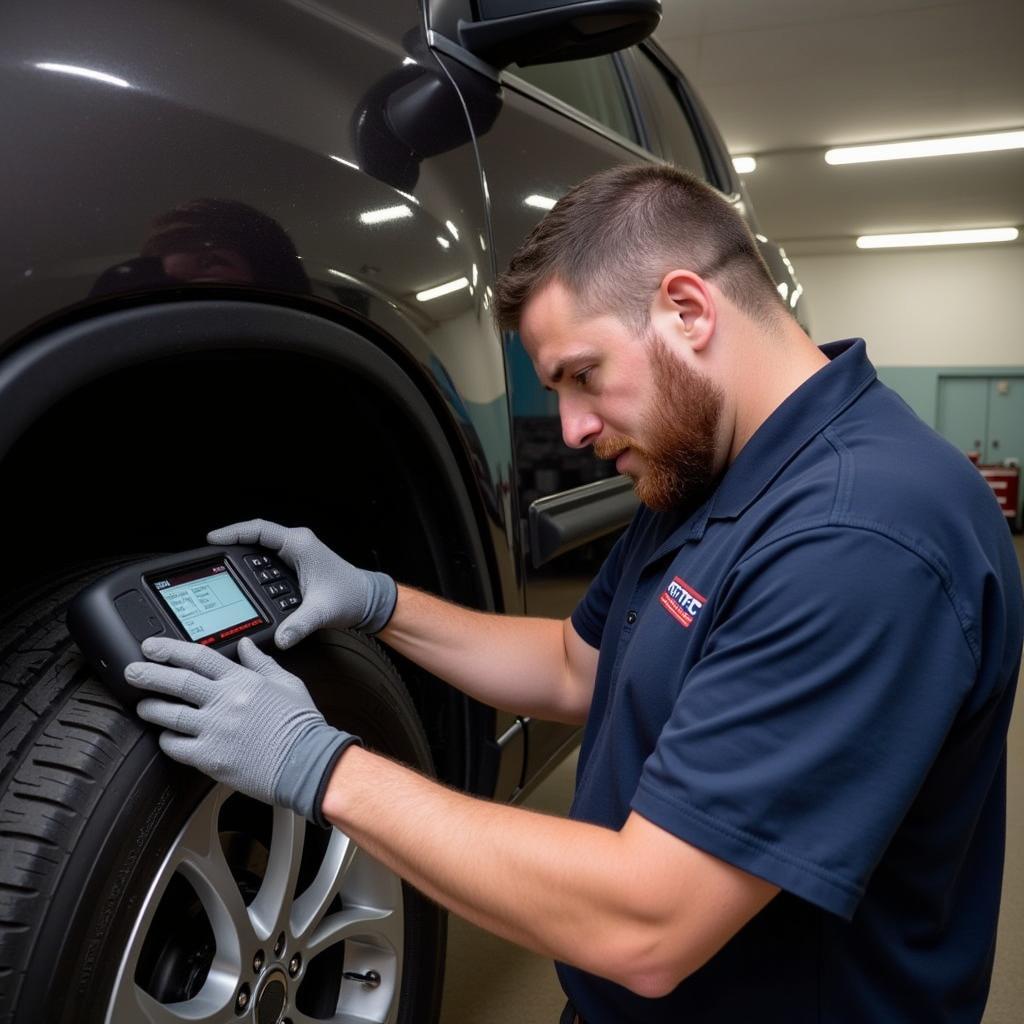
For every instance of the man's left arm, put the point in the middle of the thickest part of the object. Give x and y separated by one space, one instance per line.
638 906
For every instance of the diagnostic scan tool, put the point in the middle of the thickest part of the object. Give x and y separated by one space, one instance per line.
212 596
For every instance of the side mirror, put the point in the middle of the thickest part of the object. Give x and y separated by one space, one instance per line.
528 32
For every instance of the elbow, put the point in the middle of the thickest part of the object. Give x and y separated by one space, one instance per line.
655 980
649 963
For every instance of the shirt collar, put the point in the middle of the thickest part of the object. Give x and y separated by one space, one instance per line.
803 415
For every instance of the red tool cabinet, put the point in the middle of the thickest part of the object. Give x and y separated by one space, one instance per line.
1005 484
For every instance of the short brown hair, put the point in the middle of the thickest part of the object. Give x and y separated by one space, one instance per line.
612 238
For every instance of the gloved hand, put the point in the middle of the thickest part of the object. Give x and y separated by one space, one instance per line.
255 727
334 592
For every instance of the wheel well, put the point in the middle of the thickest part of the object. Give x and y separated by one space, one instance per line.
152 455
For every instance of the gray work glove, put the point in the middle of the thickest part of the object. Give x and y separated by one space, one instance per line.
254 727
334 592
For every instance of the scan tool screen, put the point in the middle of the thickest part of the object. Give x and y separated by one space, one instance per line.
207 603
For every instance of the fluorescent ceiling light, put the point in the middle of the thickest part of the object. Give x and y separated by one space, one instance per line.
443 242
387 213
347 163
541 202
443 289
744 164
96 76
453 230
926 147
938 238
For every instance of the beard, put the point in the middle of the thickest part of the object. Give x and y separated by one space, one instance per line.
680 428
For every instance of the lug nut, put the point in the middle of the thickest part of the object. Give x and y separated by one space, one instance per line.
294 964
257 961
279 945
243 999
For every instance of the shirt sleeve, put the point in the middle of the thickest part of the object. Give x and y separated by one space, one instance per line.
588 617
833 669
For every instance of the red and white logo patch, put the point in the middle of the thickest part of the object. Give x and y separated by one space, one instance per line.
682 602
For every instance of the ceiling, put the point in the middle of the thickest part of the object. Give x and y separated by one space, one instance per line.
785 79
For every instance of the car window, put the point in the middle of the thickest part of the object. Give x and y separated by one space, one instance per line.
671 128
592 85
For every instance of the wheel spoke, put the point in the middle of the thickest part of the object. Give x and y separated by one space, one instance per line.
218 892
209 1007
269 910
310 906
297 1017
347 923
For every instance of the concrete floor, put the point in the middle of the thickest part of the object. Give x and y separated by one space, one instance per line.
490 981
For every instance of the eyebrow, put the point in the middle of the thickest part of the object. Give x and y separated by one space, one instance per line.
558 371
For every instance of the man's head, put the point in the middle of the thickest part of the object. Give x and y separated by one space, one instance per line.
612 238
617 293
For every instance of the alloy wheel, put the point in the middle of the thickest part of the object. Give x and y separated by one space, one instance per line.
256 916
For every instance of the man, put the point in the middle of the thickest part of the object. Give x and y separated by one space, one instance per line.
796 667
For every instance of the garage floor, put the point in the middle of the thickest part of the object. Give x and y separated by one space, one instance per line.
493 982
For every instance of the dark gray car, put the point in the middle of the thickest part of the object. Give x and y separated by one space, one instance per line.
229 228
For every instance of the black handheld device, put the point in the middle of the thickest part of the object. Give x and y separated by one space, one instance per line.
211 595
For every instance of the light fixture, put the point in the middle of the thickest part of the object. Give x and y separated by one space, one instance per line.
541 202
975 236
443 289
387 213
96 76
926 147
443 242
744 164
452 229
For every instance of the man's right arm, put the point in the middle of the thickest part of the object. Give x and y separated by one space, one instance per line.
529 666
537 667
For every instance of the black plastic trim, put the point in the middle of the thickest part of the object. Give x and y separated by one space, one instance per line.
691 110
561 522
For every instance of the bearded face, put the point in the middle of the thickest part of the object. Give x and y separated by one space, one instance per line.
676 446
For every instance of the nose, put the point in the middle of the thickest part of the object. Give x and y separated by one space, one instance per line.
579 426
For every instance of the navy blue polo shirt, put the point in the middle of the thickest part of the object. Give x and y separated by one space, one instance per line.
811 677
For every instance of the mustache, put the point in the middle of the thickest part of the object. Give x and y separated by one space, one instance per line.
613 447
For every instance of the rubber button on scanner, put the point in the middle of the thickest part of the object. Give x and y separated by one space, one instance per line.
630 617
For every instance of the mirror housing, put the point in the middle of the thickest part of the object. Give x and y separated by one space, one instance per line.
528 32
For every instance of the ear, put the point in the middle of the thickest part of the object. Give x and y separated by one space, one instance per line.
684 308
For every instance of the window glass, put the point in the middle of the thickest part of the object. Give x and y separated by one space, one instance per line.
672 126
592 85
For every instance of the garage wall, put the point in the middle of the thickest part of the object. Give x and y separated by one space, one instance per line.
923 313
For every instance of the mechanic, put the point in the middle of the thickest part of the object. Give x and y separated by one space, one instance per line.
796 667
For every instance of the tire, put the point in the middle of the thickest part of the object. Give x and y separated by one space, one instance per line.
129 882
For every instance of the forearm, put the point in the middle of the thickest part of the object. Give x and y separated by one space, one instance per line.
514 663
555 886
